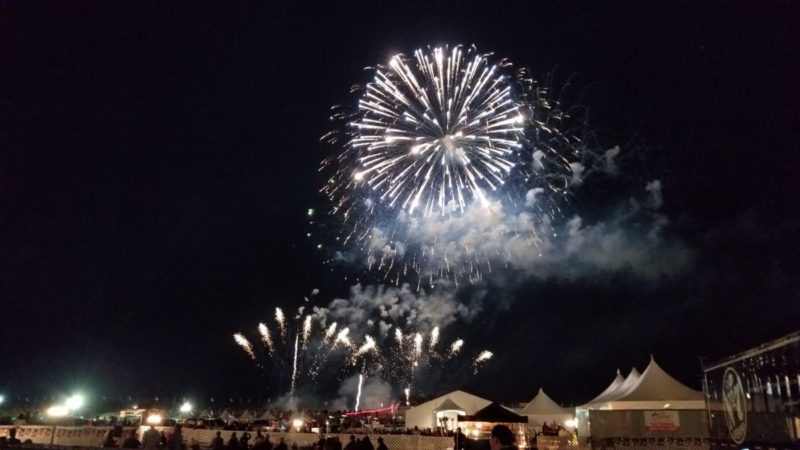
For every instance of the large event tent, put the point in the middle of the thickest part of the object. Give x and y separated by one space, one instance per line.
543 409
653 389
448 406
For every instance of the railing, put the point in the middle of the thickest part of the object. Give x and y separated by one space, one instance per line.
560 443
652 443
94 437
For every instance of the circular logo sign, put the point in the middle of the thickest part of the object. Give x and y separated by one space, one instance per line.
735 405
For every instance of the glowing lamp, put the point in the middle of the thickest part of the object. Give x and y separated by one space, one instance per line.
154 419
186 407
74 402
297 423
57 411
571 423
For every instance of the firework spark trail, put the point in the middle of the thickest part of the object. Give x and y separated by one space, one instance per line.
434 338
358 395
281 319
294 367
342 338
481 359
402 359
245 344
265 336
368 346
408 396
456 347
306 330
417 345
329 333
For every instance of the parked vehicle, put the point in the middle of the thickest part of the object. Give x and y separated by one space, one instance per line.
753 397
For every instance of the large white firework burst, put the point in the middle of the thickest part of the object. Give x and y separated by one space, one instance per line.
434 136
437 130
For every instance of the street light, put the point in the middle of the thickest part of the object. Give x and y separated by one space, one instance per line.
154 419
186 407
57 411
74 402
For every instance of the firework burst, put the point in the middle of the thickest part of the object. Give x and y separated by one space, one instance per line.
311 352
434 136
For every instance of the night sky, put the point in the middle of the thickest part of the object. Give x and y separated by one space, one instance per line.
157 161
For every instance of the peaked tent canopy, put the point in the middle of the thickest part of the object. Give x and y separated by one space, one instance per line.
494 413
266 416
653 389
227 416
618 389
542 404
448 405
657 389
609 391
542 409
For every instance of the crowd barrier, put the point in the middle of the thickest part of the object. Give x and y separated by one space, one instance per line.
651 444
62 436
94 437
560 443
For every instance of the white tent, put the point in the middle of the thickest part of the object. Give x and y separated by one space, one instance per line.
450 406
653 389
267 415
227 417
246 416
609 391
656 389
543 409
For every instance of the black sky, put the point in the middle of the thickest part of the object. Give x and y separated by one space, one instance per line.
157 161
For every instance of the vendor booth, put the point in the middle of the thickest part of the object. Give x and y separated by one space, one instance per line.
479 426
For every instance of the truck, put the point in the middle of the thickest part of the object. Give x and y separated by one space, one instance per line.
753 397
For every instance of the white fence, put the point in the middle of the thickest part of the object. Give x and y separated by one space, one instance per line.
94 437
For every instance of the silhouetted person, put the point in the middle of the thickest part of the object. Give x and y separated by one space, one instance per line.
12 437
381 445
244 440
502 438
176 439
162 439
151 439
281 445
217 443
460 440
366 444
233 442
109 441
131 441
